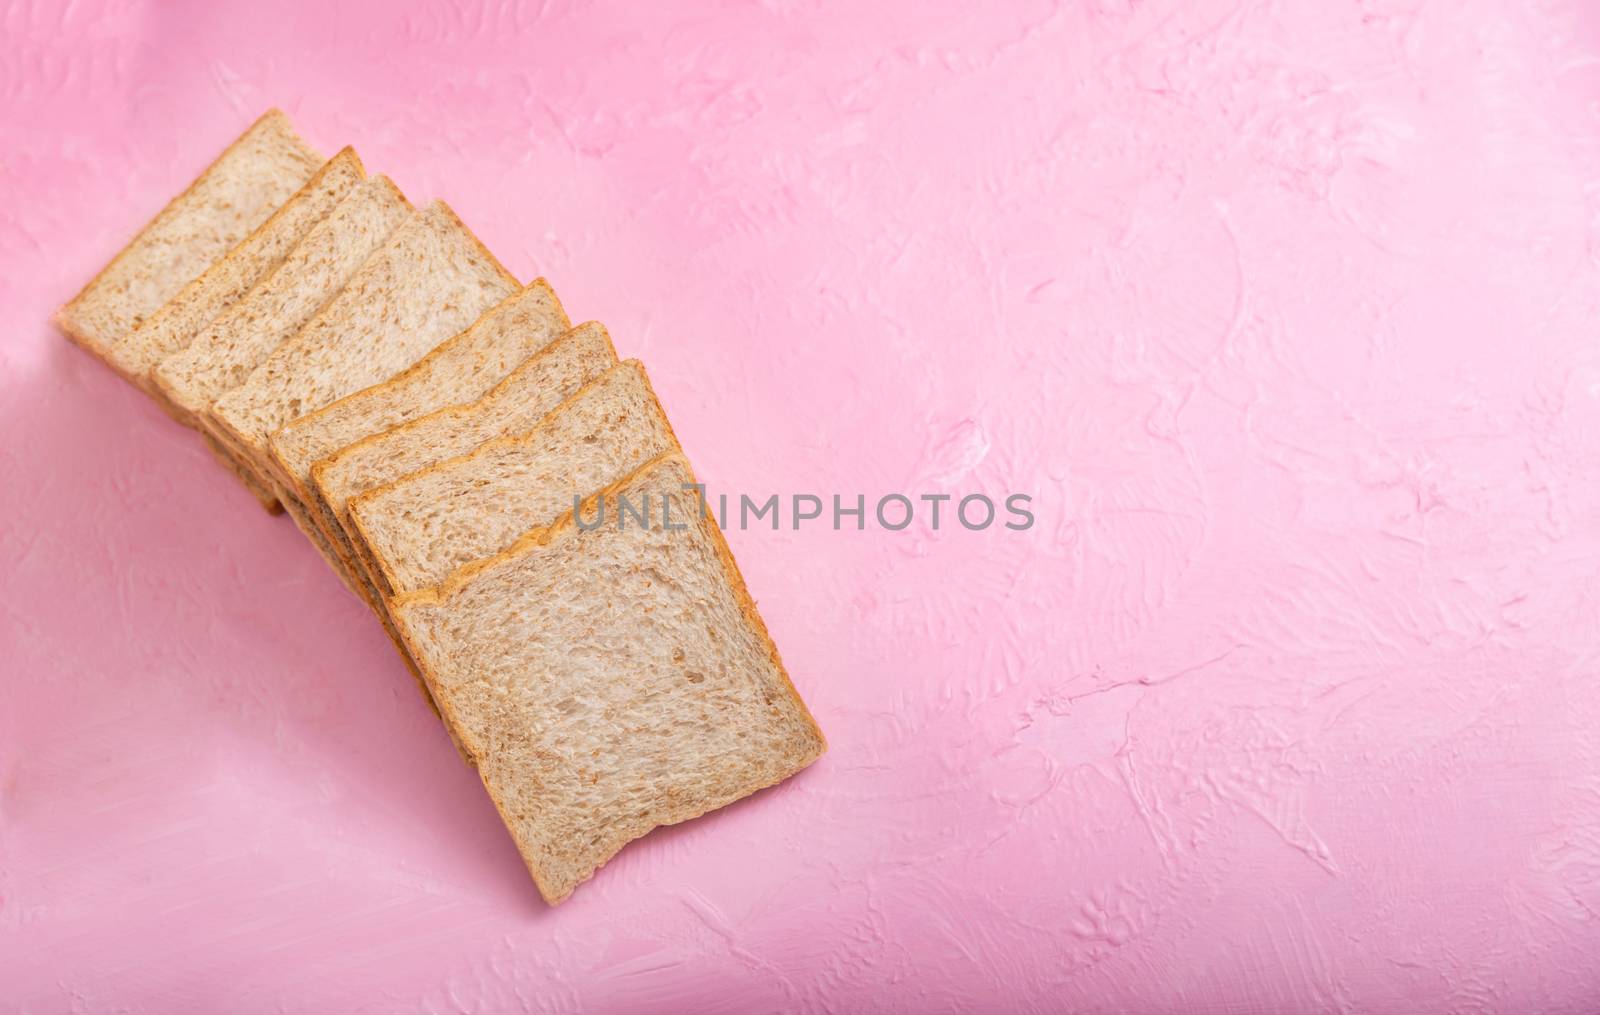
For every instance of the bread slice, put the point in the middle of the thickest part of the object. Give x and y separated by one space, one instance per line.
459 369
229 348
197 304
513 406
611 680
414 532
258 172
428 282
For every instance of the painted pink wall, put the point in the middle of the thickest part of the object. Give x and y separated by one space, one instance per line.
1288 314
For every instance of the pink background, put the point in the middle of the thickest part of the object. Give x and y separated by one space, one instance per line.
1285 313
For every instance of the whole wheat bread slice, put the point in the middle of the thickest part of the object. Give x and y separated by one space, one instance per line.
459 369
611 680
258 172
197 304
513 406
428 282
412 533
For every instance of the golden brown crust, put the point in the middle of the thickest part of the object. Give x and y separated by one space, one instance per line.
279 471
171 408
68 328
747 606
302 520
317 504
64 318
378 569
354 540
539 535
397 378
226 434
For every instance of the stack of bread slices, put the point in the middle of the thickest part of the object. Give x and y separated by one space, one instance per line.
431 425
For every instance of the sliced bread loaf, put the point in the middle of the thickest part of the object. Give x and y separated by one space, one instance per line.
229 348
236 193
197 304
428 282
513 406
610 680
459 369
412 533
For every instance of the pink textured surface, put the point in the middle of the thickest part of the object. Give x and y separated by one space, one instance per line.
1286 313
